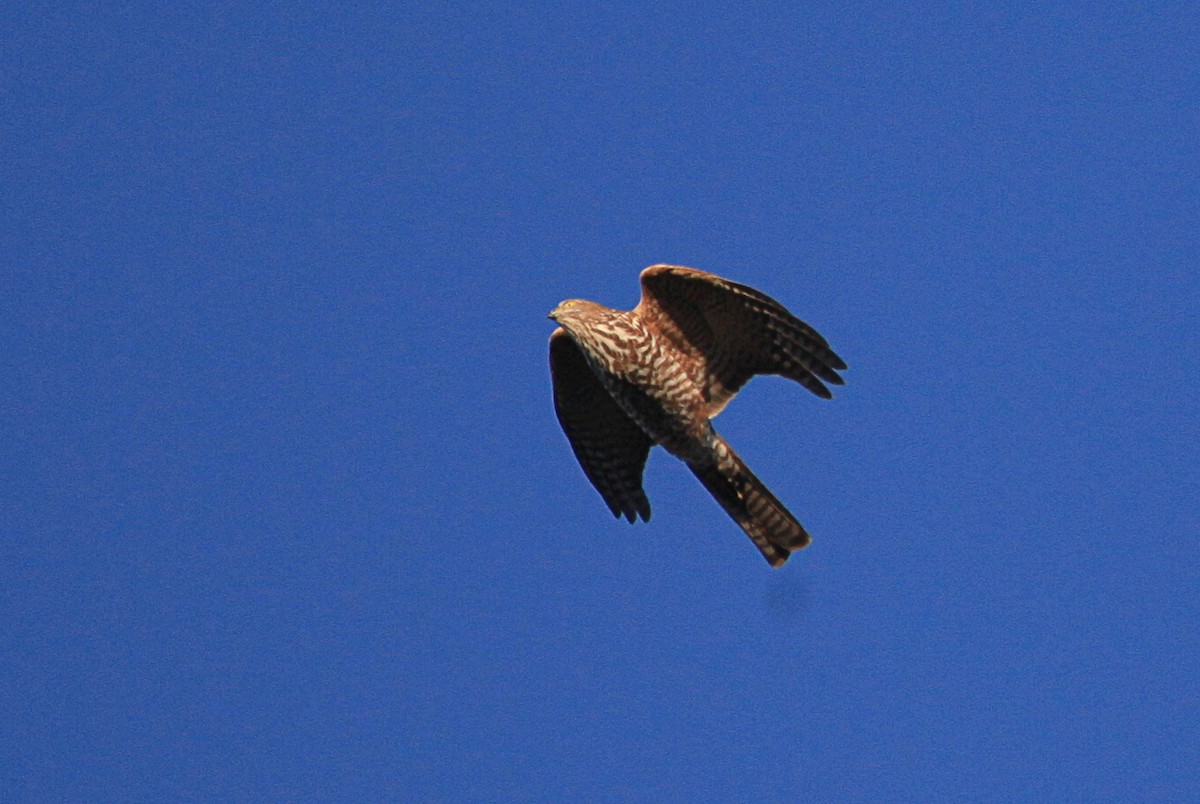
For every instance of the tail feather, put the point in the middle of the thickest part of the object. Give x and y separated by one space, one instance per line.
769 525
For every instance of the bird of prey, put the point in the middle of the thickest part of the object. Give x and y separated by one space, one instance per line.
626 380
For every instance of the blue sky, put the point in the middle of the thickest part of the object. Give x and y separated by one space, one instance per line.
286 513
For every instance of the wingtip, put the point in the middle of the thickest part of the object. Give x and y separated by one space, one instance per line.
631 514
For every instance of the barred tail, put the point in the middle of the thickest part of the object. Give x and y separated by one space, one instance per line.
769 525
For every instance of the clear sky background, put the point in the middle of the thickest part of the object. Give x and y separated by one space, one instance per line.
285 510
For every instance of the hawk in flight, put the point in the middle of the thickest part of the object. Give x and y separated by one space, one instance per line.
626 380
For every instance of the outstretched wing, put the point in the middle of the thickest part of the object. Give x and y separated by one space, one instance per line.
610 447
734 332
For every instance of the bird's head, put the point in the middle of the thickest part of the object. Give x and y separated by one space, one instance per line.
571 310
